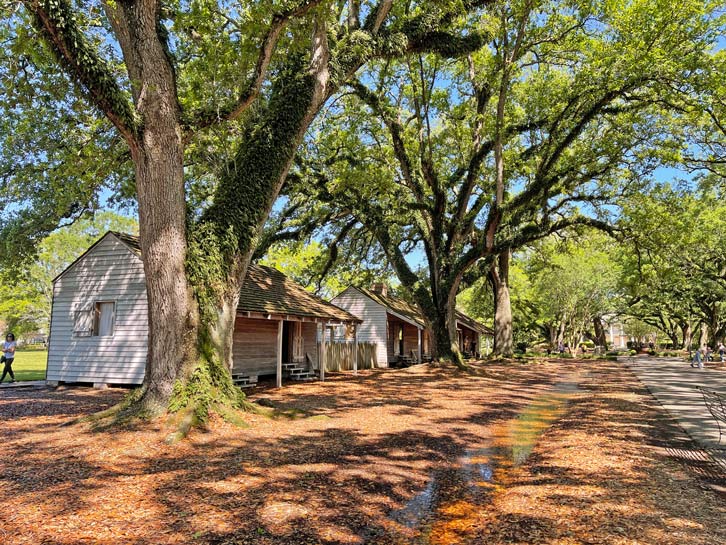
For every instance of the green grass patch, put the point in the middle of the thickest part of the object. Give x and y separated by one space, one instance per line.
29 365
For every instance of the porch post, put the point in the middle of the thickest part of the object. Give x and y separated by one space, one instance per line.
420 355
279 354
355 349
323 354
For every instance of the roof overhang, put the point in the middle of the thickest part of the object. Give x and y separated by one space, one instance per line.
404 318
276 317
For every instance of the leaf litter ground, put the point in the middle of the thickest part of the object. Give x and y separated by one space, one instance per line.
553 452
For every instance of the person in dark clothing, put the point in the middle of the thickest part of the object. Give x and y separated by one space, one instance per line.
8 357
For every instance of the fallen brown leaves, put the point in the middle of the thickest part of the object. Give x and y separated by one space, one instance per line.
373 443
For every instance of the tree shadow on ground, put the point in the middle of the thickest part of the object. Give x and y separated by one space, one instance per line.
341 479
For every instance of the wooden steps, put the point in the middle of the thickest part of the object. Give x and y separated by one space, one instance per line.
245 381
290 371
295 371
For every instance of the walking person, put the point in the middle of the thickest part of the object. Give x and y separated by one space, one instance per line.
722 352
698 358
8 357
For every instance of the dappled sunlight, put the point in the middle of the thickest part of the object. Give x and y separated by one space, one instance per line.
424 456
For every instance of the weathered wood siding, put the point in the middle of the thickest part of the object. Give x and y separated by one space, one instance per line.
410 338
340 356
110 271
254 349
373 329
469 341
310 341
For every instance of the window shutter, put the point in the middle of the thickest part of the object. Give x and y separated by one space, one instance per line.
83 322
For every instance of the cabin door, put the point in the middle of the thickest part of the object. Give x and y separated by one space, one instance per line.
298 346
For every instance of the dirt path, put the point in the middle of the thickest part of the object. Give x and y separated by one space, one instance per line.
356 469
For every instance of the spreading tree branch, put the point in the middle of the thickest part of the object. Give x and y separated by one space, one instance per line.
252 90
57 24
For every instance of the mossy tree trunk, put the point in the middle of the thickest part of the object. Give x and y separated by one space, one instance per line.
442 317
223 241
194 271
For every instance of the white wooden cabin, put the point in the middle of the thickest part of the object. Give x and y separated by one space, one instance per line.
398 329
99 322
99 319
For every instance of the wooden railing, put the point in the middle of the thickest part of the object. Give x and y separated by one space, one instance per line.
339 356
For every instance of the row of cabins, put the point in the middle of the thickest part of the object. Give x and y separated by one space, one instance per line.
99 324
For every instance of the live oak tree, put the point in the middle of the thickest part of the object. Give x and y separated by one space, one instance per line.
455 164
183 82
575 282
675 278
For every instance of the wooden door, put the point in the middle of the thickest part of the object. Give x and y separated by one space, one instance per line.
298 345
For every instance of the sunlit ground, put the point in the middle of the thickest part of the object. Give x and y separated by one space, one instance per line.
559 452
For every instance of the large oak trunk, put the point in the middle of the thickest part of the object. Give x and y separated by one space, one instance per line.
687 335
442 316
158 155
600 338
172 310
703 337
445 348
503 332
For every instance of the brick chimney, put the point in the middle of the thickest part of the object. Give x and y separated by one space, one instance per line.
380 288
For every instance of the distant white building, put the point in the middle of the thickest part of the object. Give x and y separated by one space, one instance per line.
398 328
615 332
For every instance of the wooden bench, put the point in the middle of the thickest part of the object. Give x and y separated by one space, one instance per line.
717 407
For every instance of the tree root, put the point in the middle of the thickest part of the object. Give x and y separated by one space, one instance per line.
187 420
120 412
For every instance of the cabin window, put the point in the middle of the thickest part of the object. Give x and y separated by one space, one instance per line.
104 317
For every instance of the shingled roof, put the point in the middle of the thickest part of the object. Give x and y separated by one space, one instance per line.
412 313
131 241
471 323
268 291
397 305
